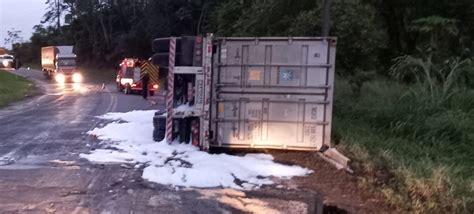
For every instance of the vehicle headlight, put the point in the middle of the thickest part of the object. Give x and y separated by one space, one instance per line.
124 81
77 77
60 78
5 63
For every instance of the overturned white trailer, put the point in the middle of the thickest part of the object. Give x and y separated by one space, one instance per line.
256 92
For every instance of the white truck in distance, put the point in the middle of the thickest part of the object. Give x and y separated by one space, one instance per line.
59 62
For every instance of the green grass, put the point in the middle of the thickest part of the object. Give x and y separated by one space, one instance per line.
13 88
420 154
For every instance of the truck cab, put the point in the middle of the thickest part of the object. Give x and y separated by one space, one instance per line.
7 61
59 62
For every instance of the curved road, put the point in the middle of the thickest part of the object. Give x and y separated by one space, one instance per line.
40 171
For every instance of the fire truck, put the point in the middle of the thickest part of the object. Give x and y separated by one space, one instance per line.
247 92
128 78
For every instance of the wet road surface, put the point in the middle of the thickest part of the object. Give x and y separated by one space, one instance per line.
40 171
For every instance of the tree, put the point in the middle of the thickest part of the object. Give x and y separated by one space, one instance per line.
370 32
434 67
13 37
361 37
55 9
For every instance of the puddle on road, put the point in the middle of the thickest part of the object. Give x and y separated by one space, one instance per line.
20 167
11 164
36 162
24 163
5 162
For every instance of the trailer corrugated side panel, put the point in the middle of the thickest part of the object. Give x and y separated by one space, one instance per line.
48 55
273 93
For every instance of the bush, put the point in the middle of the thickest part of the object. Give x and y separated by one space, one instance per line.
425 148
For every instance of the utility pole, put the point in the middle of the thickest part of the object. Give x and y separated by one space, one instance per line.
58 13
326 17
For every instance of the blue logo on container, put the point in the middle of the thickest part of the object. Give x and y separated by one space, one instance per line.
286 75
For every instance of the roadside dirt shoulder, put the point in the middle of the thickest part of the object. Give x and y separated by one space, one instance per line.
341 191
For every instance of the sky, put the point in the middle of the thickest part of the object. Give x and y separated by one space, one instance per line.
20 15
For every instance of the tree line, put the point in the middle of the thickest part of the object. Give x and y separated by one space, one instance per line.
371 33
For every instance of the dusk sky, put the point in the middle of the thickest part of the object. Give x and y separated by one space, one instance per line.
20 15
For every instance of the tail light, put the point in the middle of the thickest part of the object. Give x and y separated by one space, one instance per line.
198 39
155 86
198 51
195 132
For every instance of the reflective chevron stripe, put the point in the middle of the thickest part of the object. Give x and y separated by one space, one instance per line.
151 69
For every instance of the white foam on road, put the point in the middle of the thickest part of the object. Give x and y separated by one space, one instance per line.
129 140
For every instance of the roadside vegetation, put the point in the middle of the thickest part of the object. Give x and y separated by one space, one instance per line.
411 133
419 154
13 88
98 75
404 94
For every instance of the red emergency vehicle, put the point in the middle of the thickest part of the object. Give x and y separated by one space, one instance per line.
128 78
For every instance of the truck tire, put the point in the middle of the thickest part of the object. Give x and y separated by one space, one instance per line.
158 135
184 51
163 45
161 59
159 122
159 126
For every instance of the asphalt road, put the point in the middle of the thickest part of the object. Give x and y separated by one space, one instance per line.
40 171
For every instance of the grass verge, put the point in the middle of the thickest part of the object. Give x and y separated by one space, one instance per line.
13 88
419 154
